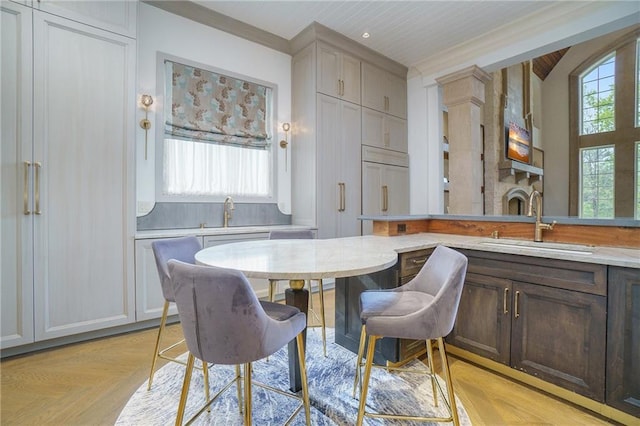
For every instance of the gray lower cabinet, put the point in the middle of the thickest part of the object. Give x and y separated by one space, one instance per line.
347 297
623 341
544 317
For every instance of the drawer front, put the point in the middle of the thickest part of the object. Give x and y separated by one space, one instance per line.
412 262
578 276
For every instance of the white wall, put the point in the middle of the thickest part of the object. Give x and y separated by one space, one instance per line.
555 124
160 31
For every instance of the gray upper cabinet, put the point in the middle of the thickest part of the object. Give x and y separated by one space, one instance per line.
384 91
338 74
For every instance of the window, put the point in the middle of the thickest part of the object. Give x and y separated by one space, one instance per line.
217 135
597 182
604 104
638 180
638 83
598 97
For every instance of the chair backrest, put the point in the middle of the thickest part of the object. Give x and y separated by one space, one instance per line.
183 249
443 277
222 319
297 234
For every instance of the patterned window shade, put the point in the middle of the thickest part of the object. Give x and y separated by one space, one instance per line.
208 107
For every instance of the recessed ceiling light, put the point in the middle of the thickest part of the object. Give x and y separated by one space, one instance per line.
366 35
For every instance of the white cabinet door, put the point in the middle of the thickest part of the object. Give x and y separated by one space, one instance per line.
83 137
338 74
385 191
149 298
373 87
384 91
397 182
118 16
396 95
338 136
383 130
16 227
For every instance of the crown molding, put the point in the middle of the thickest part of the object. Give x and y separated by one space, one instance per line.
555 26
211 18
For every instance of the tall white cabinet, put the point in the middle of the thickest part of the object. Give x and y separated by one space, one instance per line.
67 183
342 103
325 146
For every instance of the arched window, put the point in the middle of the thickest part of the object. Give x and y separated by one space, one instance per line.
604 118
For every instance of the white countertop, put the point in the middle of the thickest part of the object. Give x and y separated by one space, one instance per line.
614 256
231 230
300 259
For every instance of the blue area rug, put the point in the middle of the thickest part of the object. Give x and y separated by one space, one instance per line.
330 388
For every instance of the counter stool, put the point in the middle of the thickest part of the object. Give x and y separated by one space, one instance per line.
224 323
183 249
423 309
305 234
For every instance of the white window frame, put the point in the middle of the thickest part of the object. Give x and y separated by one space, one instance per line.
160 137
580 176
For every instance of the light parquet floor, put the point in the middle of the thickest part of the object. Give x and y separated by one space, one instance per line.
89 383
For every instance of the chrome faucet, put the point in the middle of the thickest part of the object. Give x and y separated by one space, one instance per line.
537 197
228 207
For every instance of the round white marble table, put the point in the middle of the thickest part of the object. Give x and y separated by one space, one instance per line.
296 260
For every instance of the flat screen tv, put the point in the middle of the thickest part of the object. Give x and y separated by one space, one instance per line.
518 143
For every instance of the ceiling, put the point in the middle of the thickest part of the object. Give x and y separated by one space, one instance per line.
405 31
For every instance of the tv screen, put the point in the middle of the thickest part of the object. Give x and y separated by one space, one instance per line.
518 143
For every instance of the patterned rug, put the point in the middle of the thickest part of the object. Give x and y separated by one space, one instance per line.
330 388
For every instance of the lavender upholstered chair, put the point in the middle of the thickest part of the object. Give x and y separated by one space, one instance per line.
304 234
224 323
423 309
183 249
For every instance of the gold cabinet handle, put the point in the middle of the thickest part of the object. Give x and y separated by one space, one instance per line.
419 261
37 166
385 198
341 205
517 302
505 298
25 190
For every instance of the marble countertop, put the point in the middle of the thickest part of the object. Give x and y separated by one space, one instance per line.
231 230
613 256
565 220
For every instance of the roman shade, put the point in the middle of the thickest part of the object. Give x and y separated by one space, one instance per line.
205 106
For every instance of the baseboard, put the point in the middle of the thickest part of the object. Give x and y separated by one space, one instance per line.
582 401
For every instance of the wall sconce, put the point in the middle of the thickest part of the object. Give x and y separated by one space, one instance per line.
284 143
146 101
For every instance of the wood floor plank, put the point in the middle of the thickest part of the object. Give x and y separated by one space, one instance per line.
89 383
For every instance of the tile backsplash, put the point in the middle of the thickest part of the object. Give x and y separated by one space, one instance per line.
193 215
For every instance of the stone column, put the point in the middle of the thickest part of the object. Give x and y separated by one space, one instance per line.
463 95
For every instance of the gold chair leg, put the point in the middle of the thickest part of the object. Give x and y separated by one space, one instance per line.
363 336
205 374
433 372
365 382
272 287
239 388
163 321
303 378
447 375
247 394
322 320
185 389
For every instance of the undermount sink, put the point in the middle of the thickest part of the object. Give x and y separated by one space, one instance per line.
542 246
